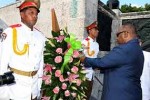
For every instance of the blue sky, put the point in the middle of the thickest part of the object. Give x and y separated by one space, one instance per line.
133 2
6 2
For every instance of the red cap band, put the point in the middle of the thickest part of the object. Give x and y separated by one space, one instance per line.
27 4
93 25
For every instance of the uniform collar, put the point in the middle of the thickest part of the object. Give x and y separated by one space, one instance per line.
133 40
25 26
91 39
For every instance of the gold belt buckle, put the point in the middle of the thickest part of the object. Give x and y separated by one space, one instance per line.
32 73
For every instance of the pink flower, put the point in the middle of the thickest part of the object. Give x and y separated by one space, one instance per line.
74 69
72 77
61 78
48 68
71 59
64 86
56 90
67 93
76 54
66 79
47 79
60 38
45 98
47 82
58 59
78 82
74 94
59 50
57 73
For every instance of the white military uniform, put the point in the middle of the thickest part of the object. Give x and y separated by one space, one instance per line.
32 60
91 50
145 78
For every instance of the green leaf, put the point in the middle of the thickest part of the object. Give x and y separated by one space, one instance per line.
54 97
55 34
74 88
79 98
77 63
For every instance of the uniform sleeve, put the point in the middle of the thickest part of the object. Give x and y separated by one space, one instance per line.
115 58
84 46
40 71
40 74
6 50
145 78
148 78
98 49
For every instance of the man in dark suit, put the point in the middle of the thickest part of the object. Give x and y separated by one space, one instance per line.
122 67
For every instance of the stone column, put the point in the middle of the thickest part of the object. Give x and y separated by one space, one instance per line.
70 14
91 7
116 23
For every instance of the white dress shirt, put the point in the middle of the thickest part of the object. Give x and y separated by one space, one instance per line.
145 78
93 46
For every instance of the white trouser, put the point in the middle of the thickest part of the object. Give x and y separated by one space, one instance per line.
89 73
4 93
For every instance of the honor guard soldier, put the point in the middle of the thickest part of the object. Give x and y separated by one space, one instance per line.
22 53
91 50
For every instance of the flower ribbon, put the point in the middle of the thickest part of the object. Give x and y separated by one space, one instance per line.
74 45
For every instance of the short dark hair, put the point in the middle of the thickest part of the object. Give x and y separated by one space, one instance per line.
87 31
131 25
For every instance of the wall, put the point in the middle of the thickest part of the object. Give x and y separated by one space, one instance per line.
140 19
135 15
75 14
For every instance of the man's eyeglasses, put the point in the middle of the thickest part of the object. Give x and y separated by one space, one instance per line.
117 34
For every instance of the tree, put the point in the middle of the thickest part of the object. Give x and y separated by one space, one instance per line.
147 6
128 8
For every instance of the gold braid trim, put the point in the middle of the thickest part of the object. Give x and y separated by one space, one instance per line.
15 46
88 50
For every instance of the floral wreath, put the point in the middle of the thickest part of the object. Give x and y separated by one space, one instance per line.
64 75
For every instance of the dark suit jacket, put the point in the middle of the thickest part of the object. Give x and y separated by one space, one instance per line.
122 71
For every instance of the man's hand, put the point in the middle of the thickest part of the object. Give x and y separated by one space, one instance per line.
85 47
82 58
